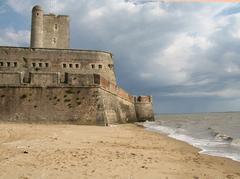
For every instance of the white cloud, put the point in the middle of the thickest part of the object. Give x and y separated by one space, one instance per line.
20 6
11 37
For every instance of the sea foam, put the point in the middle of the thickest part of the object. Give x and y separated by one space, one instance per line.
208 140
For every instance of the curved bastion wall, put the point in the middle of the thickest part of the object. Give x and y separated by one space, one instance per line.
90 100
29 61
88 105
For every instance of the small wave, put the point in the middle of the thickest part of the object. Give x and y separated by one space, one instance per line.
213 133
190 140
223 137
159 128
177 134
233 156
220 136
236 142
212 146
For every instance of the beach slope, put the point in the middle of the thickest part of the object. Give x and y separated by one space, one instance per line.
123 151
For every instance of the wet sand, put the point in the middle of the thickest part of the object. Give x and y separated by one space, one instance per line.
125 151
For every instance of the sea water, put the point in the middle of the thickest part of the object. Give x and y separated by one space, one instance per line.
216 134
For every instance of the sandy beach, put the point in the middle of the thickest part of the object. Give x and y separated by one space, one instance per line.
123 151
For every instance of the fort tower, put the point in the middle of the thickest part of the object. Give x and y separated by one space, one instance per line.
49 30
37 27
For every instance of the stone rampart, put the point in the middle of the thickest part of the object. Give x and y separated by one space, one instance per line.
85 99
114 89
27 60
52 105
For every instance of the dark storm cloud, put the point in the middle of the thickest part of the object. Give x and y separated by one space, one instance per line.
184 54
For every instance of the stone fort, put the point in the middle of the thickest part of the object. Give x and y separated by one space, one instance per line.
48 82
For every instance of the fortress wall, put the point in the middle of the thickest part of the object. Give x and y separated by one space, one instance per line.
116 109
81 105
53 84
118 104
113 88
28 60
44 79
80 79
86 99
52 105
50 79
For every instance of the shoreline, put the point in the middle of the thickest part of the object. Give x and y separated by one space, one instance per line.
121 151
201 151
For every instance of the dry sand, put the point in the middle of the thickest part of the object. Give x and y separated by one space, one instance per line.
123 151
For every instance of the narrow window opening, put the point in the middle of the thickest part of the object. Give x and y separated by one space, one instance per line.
46 64
15 64
70 65
55 26
8 64
64 65
110 66
40 64
100 66
93 66
33 64
54 40
1 64
77 65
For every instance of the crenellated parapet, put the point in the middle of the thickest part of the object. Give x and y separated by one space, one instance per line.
143 99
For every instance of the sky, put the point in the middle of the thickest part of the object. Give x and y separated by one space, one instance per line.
186 55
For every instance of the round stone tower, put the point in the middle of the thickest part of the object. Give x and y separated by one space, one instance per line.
144 108
37 27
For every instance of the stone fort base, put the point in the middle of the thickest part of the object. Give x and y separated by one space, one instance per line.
71 105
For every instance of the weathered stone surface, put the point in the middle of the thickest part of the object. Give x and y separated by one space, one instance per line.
81 105
117 109
144 109
61 105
